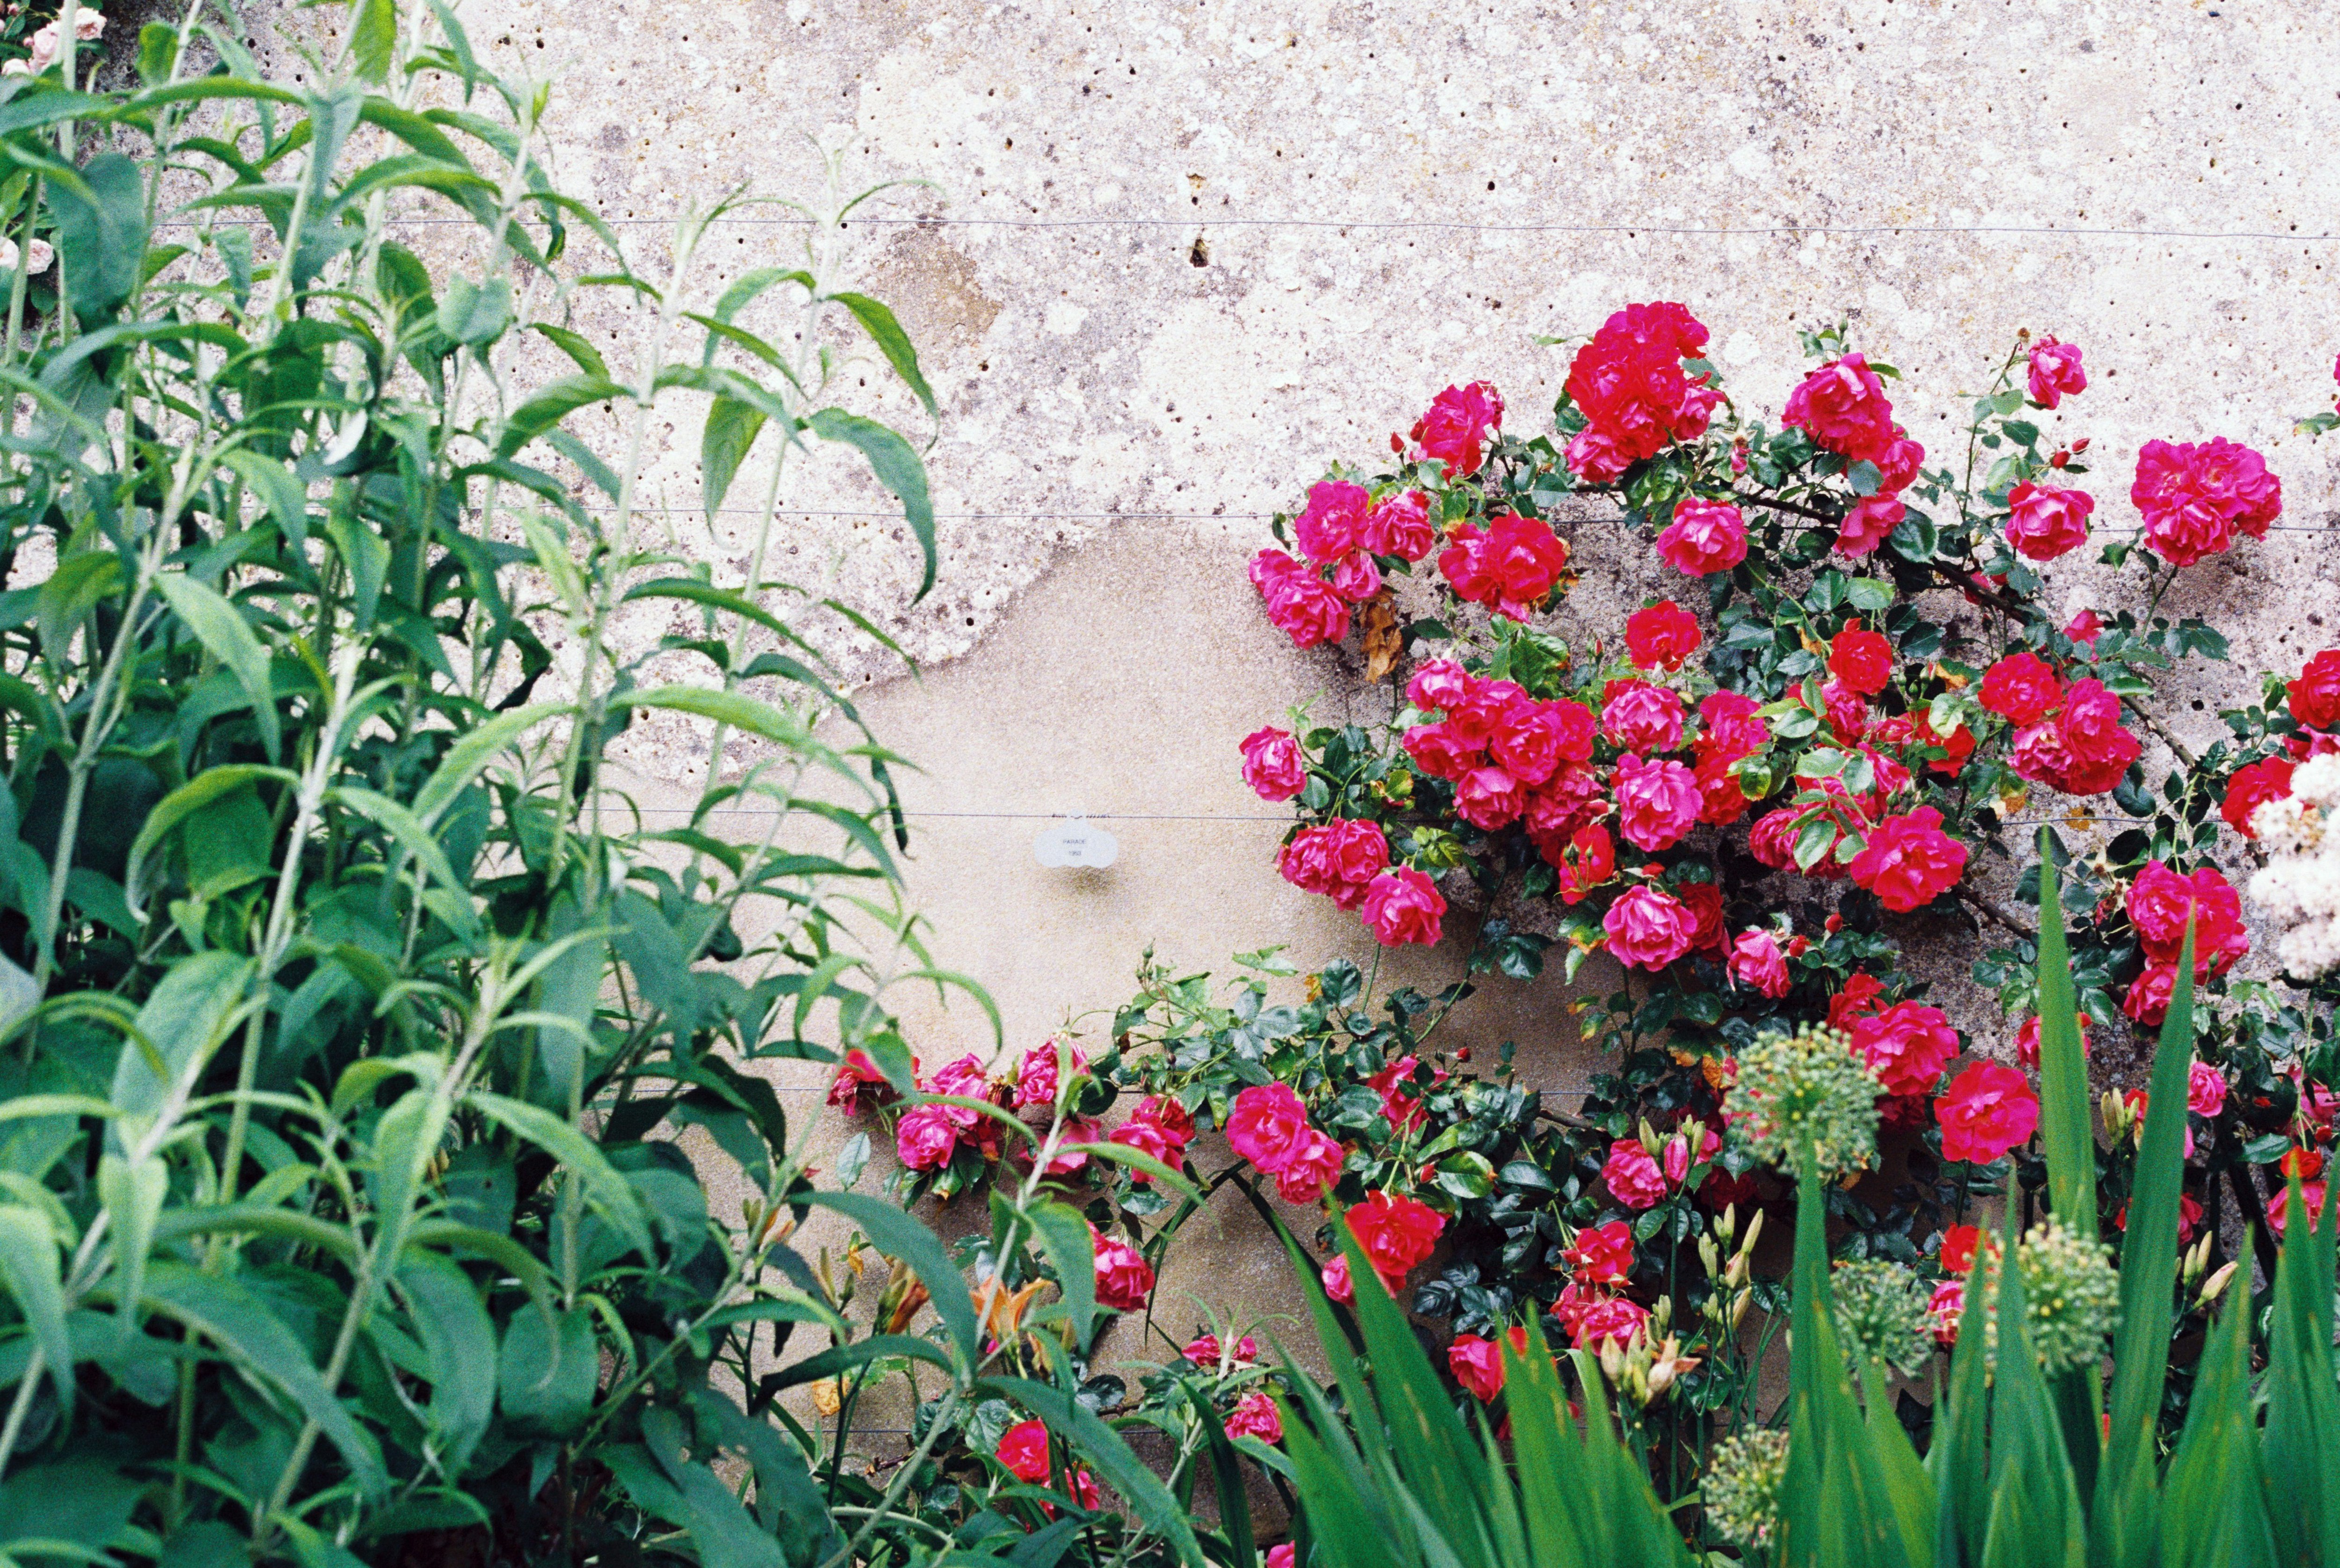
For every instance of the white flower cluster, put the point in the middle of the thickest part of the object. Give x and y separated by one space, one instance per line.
2300 884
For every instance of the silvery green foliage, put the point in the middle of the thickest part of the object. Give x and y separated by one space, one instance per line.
352 1016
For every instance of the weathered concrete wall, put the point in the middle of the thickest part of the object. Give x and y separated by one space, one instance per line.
1191 251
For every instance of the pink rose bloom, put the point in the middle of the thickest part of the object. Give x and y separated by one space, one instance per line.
1631 1175
1614 1317
2278 1213
2147 1001
1147 1137
1640 717
1301 604
1403 906
1596 456
1649 928
1438 684
1079 1130
1358 579
1282 1555
1988 1109
1265 1124
1907 1045
1255 1416
2026 1041
1400 526
1910 861
1336 1280
1332 524
1400 1098
1705 536
1272 765
1661 636
1869 523
1729 728
1024 1451
1947 1305
1603 1254
1203 1350
1312 1164
1509 567
1657 803
1772 839
1124 1278
1441 750
2056 371
1455 429
1533 737
2206 1089
1757 963
1842 407
2044 524
1897 464
2158 902
1035 1080
966 1079
1490 798
925 1138
1338 860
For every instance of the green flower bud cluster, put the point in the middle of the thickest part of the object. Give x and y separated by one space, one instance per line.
1740 1489
1880 1314
1804 1091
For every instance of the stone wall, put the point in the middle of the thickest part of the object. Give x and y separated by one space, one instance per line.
1178 257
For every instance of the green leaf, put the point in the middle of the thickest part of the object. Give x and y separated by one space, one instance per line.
2064 1134
133 1195
72 592
475 315
28 1264
731 430
227 638
468 757
461 1340
898 1234
897 468
183 1022
232 1317
180 804
374 38
736 708
576 345
1065 1234
100 227
892 343
610 1193
412 837
550 407
278 490
546 1374
367 560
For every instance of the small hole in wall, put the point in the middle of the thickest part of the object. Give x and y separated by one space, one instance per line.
1201 254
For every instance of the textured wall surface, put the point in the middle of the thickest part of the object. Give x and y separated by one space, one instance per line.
1181 255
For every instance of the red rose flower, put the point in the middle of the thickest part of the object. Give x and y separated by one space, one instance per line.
1629 384
1757 963
1704 901
1455 429
2027 1040
1509 567
1490 798
1729 728
1658 802
1603 1254
1272 765
1400 526
2195 498
1531 738
1401 1100
1301 604
1869 523
1661 636
1254 1415
1588 860
1329 526
1959 1244
1395 1234
1024 1451
1859 999
1441 751
1640 717
1705 537
2056 371
2252 786
2314 697
1312 1164
1478 1363
1633 1175
1721 800
1842 407
2147 1000
1772 841
1907 1045
1988 1109
1648 928
1264 1122
1338 860
1910 861
2157 904
1124 1278
1862 659
2021 688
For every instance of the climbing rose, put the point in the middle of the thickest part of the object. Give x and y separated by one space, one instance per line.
2084 628
1704 902
1302 605
1312 1162
1729 728
1455 429
1339 860
1629 384
1335 1275
2314 697
2206 1089
1265 1122
1400 526
2021 688
1640 717
2056 372
857 1073
925 1138
1959 1244
2044 524
1943 1310
1395 1234
1272 765
1589 860
1204 1350
1438 683
1705 536
1490 798
1871 521
1124 1278
1862 659
1478 1363
1024 1451
1329 528
1603 1254
1146 1136
1989 1111
2027 1040
2157 904
2194 498
2091 723
1510 566
2147 1001
1842 407
1757 963
1631 1175
1910 861
1656 802
2252 786
1907 1045
1403 906
1036 1078
1534 736
1661 636
1649 928
1614 1317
